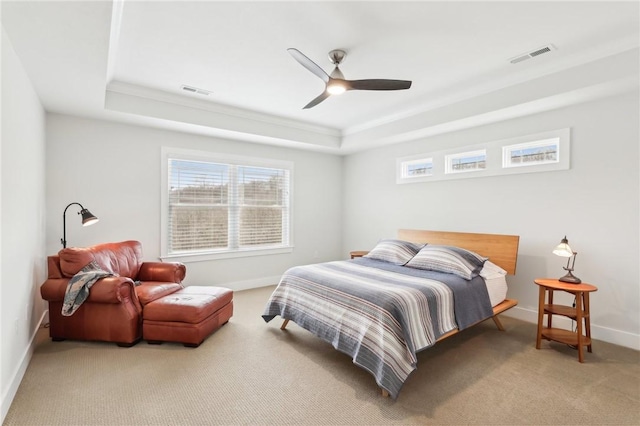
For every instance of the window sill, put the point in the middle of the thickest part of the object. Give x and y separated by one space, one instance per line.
202 257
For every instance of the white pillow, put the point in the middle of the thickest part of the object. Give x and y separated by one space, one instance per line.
491 270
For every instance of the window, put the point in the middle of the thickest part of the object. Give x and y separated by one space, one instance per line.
224 206
531 153
462 162
417 168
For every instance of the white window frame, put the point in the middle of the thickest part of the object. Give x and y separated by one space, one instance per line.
168 153
404 164
449 160
507 151
561 136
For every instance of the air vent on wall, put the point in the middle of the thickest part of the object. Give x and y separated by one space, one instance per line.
523 57
192 89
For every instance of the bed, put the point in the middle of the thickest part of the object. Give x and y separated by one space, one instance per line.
402 297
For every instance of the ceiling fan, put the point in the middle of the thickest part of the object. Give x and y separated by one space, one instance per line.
336 84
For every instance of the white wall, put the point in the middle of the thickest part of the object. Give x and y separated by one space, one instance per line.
595 204
22 221
114 171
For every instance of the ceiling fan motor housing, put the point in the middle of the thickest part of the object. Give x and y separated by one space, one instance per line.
337 56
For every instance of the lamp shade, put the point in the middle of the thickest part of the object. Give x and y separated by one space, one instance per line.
563 249
88 218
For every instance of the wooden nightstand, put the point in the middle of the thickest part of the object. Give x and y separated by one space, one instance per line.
357 253
579 313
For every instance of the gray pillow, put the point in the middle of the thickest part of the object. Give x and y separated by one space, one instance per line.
397 252
452 260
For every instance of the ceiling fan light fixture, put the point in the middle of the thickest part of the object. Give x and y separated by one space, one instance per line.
336 88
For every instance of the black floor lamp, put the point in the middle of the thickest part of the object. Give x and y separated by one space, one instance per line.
87 219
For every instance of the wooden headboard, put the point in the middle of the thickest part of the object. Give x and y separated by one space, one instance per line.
500 249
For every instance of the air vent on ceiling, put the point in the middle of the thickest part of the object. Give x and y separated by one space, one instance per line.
195 90
542 50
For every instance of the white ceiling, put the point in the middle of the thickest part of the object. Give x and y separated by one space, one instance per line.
127 60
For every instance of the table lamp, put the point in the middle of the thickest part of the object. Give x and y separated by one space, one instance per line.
563 250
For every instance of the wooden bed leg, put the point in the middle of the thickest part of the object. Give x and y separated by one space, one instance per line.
498 323
385 393
284 324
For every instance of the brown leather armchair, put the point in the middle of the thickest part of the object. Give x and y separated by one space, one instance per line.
113 310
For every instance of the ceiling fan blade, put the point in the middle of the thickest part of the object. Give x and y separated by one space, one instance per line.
308 64
324 95
377 84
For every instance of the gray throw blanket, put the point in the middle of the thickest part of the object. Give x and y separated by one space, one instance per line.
78 288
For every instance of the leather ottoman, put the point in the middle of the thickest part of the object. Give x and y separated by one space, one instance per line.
187 316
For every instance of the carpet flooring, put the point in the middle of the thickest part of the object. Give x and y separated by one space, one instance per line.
252 373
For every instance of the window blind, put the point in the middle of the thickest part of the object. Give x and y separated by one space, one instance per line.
215 207
262 206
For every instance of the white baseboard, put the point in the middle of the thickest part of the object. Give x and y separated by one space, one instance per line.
609 335
18 374
249 284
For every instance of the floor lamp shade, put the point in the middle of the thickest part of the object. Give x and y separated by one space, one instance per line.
88 218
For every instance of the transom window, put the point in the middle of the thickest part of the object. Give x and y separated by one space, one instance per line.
463 162
412 169
534 153
224 206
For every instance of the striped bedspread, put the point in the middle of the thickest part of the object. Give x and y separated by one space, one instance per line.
378 313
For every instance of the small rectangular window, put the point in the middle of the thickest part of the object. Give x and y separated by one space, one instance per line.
417 168
533 153
464 162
